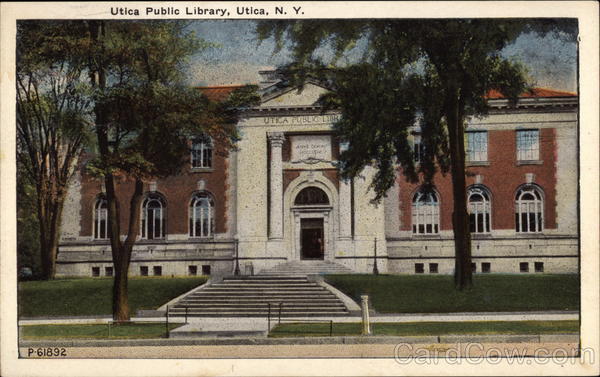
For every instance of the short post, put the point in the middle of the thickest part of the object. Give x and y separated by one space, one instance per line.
186 315
366 324
236 271
375 269
330 328
268 318
167 322
108 323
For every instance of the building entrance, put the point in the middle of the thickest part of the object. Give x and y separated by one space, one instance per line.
311 238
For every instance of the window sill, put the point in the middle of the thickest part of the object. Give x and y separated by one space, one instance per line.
530 162
423 236
478 163
202 170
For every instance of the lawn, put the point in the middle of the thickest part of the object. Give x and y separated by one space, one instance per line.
436 293
428 328
97 331
93 296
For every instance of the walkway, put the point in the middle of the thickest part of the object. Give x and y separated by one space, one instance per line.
223 322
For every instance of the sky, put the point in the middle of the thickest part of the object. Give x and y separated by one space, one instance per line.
238 56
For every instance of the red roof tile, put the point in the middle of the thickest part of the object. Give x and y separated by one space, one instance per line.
218 93
534 93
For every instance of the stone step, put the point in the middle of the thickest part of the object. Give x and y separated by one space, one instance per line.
272 296
265 308
260 305
265 290
266 278
263 286
263 298
249 296
258 314
228 300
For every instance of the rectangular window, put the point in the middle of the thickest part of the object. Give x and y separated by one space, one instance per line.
528 145
192 270
419 268
477 146
108 271
474 267
144 270
157 270
201 156
433 268
524 267
486 267
95 271
539 266
206 269
417 148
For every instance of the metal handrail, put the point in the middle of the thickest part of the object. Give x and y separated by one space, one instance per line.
280 304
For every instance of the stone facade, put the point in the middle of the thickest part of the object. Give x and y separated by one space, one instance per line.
279 198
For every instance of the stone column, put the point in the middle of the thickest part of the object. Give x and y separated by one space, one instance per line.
345 204
276 203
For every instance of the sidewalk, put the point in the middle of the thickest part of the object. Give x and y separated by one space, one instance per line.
223 322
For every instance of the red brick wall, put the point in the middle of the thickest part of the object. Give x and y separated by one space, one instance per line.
176 189
502 177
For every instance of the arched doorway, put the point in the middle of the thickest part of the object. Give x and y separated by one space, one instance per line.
314 202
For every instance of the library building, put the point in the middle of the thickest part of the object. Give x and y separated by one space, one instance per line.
278 204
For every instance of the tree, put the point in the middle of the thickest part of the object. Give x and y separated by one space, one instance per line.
52 127
432 72
143 113
145 116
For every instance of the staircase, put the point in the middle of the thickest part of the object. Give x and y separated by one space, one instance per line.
249 296
307 267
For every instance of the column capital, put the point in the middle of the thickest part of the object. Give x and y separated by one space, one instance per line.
276 138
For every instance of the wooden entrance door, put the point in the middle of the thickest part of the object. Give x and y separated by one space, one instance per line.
311 238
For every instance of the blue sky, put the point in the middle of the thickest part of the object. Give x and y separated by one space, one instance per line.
551 63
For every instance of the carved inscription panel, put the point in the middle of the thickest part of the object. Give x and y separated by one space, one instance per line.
311 147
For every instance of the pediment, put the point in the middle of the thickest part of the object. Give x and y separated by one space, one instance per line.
291 96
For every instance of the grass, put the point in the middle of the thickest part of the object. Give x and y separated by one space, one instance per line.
436 293
93 296
97 331
428 328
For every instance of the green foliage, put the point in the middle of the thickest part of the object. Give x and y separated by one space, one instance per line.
434 293
410 72
73 297
28 242
53 126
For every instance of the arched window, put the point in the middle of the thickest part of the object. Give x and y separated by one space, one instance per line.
153 217
202 215
201 152
425 212
311 196
529 210
479 210
101 219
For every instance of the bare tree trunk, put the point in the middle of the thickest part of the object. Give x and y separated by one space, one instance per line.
460 218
